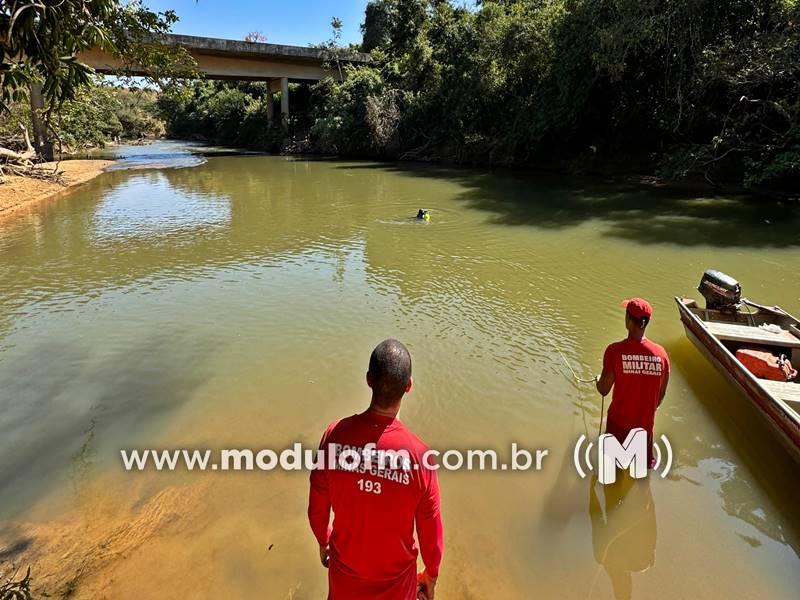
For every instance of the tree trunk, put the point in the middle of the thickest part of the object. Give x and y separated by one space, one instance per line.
43 146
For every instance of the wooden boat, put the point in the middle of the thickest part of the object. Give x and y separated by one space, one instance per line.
719 334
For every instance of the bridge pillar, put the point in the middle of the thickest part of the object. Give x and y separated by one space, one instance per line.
285 98
270 104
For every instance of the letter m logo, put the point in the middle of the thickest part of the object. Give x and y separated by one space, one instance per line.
631 455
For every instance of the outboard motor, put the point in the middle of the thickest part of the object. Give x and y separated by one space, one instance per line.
721 291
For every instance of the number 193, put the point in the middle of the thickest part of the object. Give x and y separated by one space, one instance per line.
369 486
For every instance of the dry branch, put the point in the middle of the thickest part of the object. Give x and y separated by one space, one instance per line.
26 155
12 588
19 157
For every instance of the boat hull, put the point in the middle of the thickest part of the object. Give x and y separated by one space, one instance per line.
733 371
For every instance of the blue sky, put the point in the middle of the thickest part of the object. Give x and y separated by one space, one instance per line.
295 22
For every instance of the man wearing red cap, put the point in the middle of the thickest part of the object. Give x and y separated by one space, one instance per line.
638 370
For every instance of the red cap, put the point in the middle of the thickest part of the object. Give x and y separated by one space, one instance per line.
639 308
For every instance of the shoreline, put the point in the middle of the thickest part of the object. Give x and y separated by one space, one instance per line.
20 193
600 171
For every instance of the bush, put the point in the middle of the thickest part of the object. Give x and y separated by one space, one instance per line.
341 116
232 114
703 89
706 89
223 114
97 115
136 113
90 119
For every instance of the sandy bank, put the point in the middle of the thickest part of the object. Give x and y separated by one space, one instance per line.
17 193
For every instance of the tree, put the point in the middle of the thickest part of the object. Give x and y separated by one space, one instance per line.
255 36
40 41
333 46
702 89
376 30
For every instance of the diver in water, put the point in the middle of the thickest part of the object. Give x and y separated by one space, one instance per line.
423 215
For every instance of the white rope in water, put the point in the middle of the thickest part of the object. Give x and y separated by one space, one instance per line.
569 366
581 380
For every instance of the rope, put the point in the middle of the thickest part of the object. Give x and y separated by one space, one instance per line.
602 410
581 380
569 366
749 312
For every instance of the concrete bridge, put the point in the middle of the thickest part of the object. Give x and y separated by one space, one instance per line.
231 59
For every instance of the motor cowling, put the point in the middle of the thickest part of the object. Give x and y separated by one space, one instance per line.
721 291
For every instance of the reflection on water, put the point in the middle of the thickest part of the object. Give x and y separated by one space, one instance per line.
148 206
623 530
162 154
235 303
153 155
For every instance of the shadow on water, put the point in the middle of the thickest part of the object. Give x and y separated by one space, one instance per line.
58 418
758 452
632 211
624 531
16 548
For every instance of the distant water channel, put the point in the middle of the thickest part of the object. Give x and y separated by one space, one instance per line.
232 301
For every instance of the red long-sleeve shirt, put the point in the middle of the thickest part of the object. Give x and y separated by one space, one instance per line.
373 554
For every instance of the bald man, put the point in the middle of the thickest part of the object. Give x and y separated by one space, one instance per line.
370 550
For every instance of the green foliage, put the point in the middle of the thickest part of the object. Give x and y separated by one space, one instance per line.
16 114
378 21
699 89
781 171
224 113
96 115
175 105
136 113
256 131
100 113
341 125
704 89
40 39
90 118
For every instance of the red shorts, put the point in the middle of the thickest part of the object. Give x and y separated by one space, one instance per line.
343 586
621 432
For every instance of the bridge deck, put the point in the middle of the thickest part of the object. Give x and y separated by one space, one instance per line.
223 47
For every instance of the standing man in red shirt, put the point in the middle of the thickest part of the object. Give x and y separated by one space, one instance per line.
370 550
638 370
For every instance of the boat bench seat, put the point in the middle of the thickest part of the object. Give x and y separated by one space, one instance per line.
785 390
744 333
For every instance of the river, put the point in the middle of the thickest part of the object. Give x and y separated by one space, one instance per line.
233 301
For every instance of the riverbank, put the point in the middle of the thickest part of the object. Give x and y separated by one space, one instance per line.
19 193
624 169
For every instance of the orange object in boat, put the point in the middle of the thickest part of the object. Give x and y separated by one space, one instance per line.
766 365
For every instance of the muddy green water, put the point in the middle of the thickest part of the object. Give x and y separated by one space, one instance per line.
235 303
